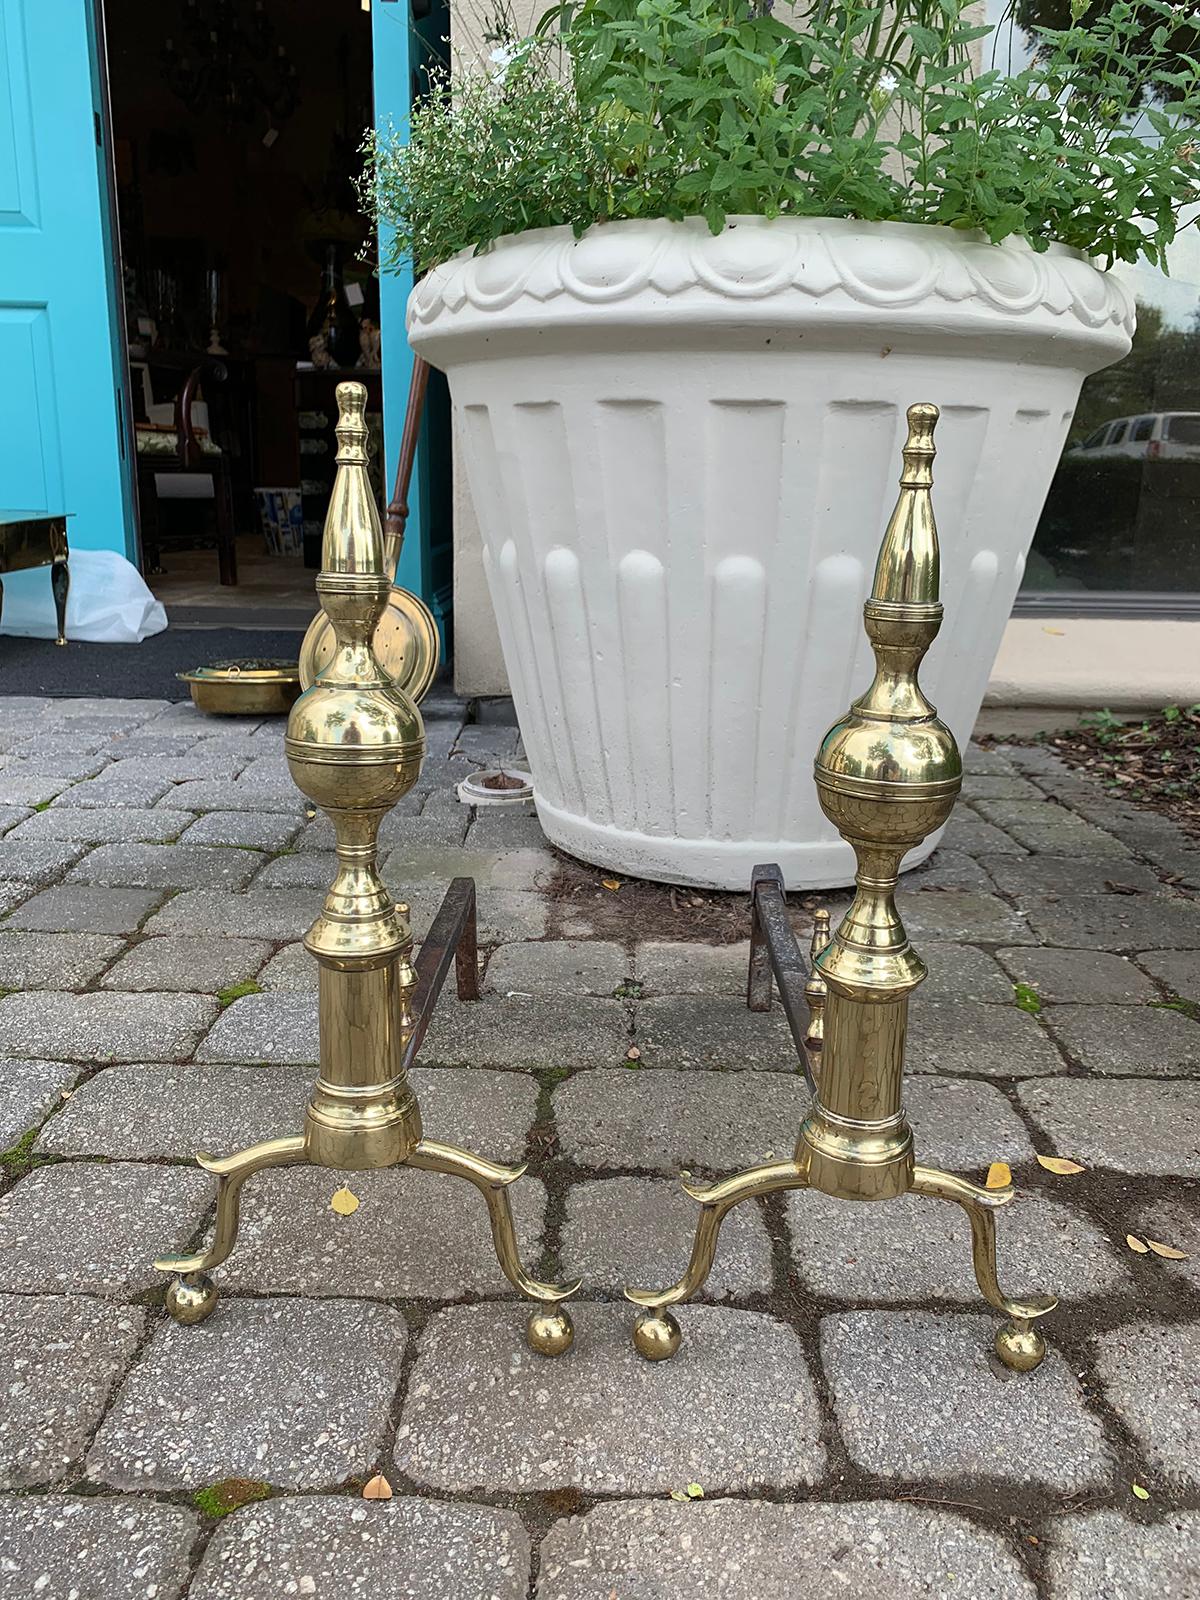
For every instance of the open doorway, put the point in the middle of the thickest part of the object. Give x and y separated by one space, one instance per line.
236 128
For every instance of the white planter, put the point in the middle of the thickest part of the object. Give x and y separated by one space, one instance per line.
683 451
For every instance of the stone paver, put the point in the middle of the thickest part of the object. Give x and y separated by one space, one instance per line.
279 1027
735 1408
964 1125
237 794
259 914
11 815
1069 875
967 831
291 968
1114 922
167 866
963 915
915 1248
28 1091
1132 1126
103 792
638 1231
1151 1376
1175 1223
1149 1040
108 1224
663 1120
63 1356
1044 825
1177 970
104 824
31 960
267 830
960 972
85 908
27 861
290 1392
916 1396
415 1234
104 1027
946 869
139 1113
675 967
965 1036
550 1032
204 964
742 1550
409 1548
688 1031
1066 977
558 967
30 788
1102 1555
59 1547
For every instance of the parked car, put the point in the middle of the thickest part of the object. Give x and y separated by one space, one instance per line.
1156 436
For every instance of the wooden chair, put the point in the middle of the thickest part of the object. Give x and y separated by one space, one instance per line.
187 465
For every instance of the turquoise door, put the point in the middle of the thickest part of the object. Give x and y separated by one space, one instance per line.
63 445
401 47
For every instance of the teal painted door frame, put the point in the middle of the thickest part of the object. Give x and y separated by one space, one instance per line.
391 39
64 437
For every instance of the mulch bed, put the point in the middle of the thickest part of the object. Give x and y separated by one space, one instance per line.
1154 762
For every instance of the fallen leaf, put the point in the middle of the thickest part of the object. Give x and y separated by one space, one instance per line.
1119 888
377 1488
344 1202
695 1492
1057 632
633 1053
678 1494
1134 1243
1060 1166
1142 1494
611 883
999 1175
1166 1251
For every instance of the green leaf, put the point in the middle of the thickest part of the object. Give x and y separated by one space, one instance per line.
1027 998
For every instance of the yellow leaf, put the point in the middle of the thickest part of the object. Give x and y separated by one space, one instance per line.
678 1494
1142 1494
611 883
1167 1251
1060 1165
1134 1243
344 1202
999 1175
378 1488
1058 632
695 1492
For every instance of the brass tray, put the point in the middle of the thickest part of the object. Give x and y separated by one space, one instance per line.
406 645
250 687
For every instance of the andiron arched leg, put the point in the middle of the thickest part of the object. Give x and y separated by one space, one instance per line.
656 1333
549 1329
1019 1344
193 1295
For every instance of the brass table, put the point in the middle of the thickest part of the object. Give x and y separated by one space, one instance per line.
38 542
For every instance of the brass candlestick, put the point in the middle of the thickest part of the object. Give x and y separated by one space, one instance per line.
354 744
887 774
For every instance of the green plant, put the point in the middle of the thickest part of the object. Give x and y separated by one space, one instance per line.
237 991
230 1494
1026 998
617 109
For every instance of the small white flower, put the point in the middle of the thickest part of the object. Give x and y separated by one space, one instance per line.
887 82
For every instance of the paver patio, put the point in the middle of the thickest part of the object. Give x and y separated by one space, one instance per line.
834 1395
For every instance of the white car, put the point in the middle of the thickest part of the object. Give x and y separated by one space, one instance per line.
1156 436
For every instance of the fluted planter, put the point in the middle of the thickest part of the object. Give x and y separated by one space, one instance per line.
682 451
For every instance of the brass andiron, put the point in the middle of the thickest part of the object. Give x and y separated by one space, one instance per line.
354 744
887 775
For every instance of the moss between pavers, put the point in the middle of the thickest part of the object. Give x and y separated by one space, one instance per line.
237 991
230 1494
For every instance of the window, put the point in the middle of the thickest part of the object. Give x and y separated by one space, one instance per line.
1143 428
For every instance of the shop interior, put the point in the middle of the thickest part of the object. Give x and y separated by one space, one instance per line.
237 126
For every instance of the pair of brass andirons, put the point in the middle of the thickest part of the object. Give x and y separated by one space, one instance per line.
887 774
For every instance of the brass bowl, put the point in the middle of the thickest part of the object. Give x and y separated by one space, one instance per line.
247 688
406 645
